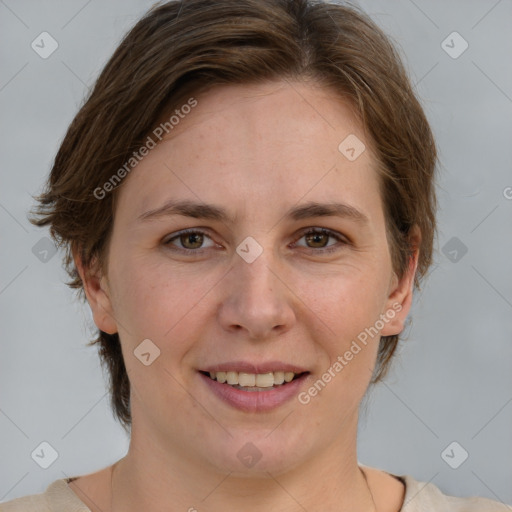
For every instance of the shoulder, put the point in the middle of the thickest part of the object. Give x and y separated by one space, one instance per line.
426 497
57 497
31 503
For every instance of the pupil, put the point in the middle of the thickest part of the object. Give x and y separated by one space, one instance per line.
189 237
315 236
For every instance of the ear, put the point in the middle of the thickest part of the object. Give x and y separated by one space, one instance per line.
98 295
401 291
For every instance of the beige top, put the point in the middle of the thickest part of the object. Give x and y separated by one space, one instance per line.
419 497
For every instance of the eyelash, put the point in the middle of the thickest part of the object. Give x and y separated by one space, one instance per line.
312 231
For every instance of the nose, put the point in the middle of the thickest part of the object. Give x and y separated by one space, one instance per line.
256 298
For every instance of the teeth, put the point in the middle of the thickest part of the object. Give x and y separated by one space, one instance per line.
232 378
288 376
278 378
264 380
260 380
247 379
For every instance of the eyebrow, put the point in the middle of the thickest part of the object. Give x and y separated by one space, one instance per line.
197 210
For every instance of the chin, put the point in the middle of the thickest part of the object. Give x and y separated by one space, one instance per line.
256 454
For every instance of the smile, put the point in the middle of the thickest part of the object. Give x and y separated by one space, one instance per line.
253 381
254 392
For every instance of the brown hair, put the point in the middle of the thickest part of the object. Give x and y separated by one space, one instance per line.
182 48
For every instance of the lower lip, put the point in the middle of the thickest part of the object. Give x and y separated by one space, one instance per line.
255 401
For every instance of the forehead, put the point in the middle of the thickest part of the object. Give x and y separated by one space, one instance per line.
267 144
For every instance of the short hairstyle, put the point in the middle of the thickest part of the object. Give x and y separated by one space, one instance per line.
181 48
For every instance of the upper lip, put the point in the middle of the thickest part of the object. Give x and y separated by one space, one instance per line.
246 367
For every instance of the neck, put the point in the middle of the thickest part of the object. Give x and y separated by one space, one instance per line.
153 478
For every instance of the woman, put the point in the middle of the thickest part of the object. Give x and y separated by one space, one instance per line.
247 203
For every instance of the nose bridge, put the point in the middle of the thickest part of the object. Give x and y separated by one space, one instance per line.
255 298
254 270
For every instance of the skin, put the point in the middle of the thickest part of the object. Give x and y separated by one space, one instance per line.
257 151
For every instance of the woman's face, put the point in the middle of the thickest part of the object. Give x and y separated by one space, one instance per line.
254 291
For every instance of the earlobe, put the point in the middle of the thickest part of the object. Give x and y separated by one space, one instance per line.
98 296
400 299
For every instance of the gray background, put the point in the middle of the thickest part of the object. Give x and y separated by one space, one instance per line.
451 380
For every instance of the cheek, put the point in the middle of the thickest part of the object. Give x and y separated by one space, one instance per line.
351 312
350 305
351 302
153 300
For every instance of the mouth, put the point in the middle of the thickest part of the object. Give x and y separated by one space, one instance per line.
254 392
254 381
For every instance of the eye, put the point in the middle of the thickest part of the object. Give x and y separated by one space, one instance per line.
319 237
190 239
